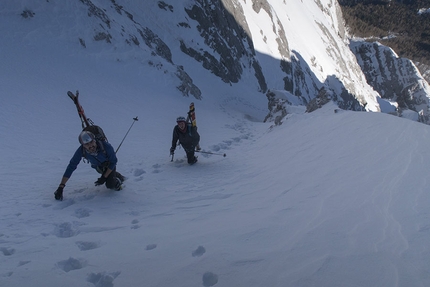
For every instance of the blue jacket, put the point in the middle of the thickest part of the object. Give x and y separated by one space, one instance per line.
105 157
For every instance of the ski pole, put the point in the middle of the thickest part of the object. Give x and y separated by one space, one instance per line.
223 154
134 120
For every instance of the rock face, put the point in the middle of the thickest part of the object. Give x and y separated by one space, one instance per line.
320 100
224 28
277 109
395 79
295 52
226 37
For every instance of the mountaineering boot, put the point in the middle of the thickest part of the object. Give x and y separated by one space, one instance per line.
120 177
192 160
118 185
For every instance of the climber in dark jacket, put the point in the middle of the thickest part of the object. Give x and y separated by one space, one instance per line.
187 136
102 158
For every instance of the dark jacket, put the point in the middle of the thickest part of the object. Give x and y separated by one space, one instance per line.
105 157
189 139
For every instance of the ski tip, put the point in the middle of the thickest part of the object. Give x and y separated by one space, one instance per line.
72 95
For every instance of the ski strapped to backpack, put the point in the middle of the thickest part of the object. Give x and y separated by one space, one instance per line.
87 123
192 115
192 120
81 113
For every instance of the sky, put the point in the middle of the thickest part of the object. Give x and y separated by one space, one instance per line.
329 198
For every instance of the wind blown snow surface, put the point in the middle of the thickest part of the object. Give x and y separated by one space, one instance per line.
327 199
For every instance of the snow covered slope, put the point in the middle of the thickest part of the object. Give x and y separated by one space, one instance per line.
326 199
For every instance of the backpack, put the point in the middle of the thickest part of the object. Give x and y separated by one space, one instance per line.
97 131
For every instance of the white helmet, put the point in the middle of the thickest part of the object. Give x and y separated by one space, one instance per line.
86 137
180 119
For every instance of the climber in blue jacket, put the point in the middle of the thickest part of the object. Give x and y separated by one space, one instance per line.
101 156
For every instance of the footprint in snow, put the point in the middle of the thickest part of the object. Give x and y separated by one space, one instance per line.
157 168
66 230
151 246
72 264
21 263
209 279
7 251
103 279
138 173
135 224
87 245
199 251
82 212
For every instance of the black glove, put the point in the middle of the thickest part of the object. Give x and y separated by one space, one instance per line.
172 150
59 192
100 181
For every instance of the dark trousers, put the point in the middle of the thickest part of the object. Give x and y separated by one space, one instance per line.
112 180
189 150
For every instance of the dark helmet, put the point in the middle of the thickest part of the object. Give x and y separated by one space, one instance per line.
86 137
180 119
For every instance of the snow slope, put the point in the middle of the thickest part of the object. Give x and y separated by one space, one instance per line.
326 199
